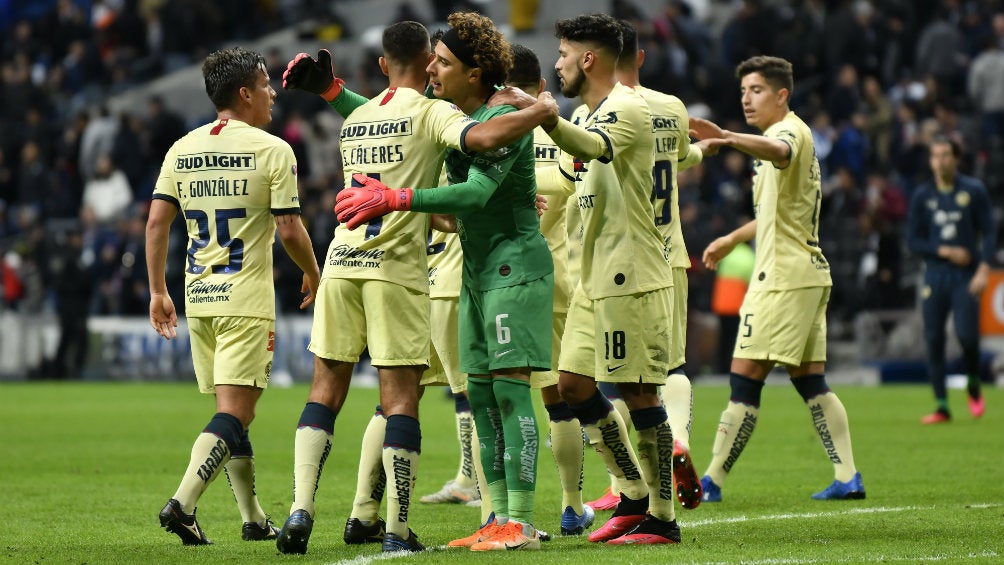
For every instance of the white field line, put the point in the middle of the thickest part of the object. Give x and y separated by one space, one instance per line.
367 559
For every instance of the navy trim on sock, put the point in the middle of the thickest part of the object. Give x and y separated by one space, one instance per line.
681 370
378 411
745 390
592 410
559 412
317 415
403 432
645 418
810 386
461 403
226 427
243 448
610 390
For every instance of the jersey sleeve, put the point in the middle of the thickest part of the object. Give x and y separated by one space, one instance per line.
285 198
450 124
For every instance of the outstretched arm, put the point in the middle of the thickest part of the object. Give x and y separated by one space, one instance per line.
724 245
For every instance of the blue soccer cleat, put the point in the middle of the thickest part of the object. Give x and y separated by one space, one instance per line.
853 489
712 492
573 524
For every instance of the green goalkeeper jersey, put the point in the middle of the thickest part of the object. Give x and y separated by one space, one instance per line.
493 195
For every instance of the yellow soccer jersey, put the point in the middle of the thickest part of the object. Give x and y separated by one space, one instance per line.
622 251
786 204
228 179
446 264
552 223
399 137
672 145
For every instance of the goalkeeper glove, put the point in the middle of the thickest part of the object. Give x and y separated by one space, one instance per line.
305 73
357 205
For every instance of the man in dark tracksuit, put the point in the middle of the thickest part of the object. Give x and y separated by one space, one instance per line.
950 226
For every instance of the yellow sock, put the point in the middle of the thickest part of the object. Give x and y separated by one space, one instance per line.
678 397
830 420
370 479
609 438
209 455
734 429
566 447
310 449
240 474
655 455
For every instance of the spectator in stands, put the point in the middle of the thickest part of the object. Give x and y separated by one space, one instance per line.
73 285
108 192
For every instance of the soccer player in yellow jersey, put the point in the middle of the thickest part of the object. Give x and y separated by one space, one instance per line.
618 326
374 289
236 186
783 316
673 153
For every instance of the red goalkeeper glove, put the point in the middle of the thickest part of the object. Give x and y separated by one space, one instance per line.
357 205
318 76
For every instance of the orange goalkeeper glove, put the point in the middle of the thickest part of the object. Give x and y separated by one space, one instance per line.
356 205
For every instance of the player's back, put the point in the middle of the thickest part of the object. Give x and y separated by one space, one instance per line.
672 142
229 178
399 137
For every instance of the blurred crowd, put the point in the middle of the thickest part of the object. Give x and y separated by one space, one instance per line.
875 79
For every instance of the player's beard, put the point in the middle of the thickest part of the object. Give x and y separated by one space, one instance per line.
572 88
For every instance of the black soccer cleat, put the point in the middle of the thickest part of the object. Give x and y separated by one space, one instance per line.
253 532
358 532
295 533
174 520
394 542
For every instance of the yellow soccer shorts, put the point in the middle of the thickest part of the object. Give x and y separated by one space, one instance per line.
619 339
444 359
390 319
783 326
231 350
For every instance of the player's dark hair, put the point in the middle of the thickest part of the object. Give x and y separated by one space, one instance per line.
775 70
227 70
600 30
403 41
491 51
629 47
942 139
525 70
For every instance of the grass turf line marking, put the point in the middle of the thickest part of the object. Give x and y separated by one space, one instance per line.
875 510
874 559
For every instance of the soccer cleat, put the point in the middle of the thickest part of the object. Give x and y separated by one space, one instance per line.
484 532
252 531
853 489
712 492
938 417
608 501
394 542
650 531
977 406
452 493
544 536
573 524
513 535
357 531
688 486
295 533
616 527
174 520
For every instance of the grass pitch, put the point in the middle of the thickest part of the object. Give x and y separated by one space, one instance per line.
86 467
